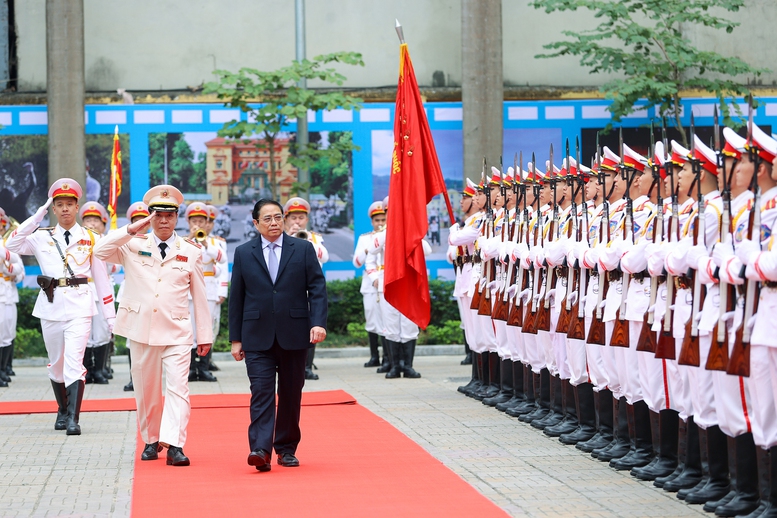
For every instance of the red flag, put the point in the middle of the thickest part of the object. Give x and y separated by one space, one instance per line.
115 183
416 178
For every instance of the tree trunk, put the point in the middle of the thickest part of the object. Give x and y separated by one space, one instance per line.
270 140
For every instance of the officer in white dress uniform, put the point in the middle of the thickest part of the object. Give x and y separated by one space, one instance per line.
65 306
11 273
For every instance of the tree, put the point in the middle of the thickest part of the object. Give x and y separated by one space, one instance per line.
282 99
643 42
182 171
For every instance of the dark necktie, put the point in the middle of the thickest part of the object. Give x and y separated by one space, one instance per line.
67 237
162 248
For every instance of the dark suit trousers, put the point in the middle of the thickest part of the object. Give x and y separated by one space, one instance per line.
266 429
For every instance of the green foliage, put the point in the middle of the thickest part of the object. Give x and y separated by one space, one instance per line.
345 304
182 170
357 332
331 173
448 333
29 344
642 42
283 99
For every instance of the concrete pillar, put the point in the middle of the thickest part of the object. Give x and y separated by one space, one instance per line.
65 89
482 87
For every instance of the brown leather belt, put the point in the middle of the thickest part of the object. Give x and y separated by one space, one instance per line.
72 281
640 276
770 284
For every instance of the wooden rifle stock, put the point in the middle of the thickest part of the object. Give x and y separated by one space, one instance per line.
665 347
565 317
500 307
620 331
689 351
577 319
718 357
475 304
739 363
596 335
647 337
515 316
543 311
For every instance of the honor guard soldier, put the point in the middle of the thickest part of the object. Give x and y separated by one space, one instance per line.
162 269
222 278
296 216
65 304
94 217
370 297
11 273
213 262
135 212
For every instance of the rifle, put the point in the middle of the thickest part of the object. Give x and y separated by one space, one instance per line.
484 308
620 331
689 352
566 307
577 311
739 363
596 334
501 305
530 320
543 313
647 338
665 347
515 314
718 357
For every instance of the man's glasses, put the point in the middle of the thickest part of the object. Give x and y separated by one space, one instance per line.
269 219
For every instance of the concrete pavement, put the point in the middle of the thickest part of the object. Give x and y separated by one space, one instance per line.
46 473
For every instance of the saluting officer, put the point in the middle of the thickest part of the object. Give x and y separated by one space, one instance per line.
296 216
161 269
65 306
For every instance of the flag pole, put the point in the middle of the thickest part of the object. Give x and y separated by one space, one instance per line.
401 35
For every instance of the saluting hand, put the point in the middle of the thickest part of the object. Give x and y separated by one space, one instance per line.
140 225
41 212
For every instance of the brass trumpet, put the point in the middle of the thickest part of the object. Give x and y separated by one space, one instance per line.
12 225
302 234
200 235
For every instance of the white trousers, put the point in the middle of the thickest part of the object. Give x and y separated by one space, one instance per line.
593 355
608 362
576 360
372 315
627 365
8 317
679 385
66 344
466 318
515 344
653 381
100 334
164 420
484 339
502 343
397 327
764 412
700 382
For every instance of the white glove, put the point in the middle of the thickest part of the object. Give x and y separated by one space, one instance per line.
728 317
746 250
492 285
511 291
551 294
572 298
42 211
518 251
111 323
483 282
590 257
525 294
539 258
722 252
694 254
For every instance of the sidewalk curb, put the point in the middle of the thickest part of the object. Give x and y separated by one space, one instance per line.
321 352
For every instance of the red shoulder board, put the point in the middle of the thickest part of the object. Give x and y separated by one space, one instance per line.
192 242
141 236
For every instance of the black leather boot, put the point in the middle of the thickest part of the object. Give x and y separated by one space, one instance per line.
110 349
9 363
770 495
88 365
5 359
374 353
541 397
474 382
663 427
467 353
731 447
556 413
193 366
309 374
60 394
491 382
203 373
692 470
569 423
516 373
529 403
98 376
747 496
705 468
682 443
604 418
386 365
764 463
129 387
717 485
642 443
396 360
506 387
408 348
621 445
75 394
586 416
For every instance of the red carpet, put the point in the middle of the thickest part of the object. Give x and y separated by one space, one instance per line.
353 463
332 397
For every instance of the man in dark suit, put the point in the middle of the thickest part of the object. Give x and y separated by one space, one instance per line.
277 310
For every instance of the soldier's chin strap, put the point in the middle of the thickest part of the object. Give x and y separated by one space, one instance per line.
612 188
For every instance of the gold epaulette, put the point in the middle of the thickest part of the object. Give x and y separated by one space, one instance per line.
192 242
45 228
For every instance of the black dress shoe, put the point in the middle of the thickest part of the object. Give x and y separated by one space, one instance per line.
151 451
310 375
175 457
129 387
288 460
260 459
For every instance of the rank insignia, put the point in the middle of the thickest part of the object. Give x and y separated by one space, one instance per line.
182 258
144 253
84 242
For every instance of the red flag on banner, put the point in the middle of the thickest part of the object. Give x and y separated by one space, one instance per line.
416 178
115 183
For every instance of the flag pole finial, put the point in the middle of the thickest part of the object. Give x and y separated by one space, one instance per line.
398 27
